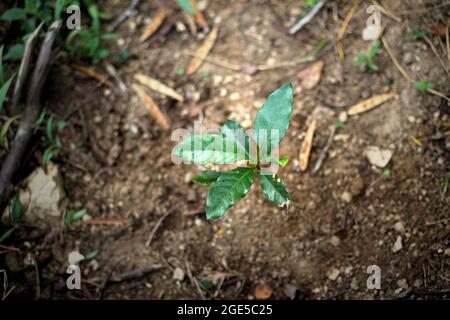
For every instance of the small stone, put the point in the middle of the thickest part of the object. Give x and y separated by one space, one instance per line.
418 283
346 197
191 196
399 227
198 222
447 252
378 157
397 245
178 274
343 116
235 96
403 283
263 291
44 198
335 241
290 291
333 274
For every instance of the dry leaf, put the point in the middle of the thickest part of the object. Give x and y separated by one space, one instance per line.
93 74
151 107
307 145
156 22
202 52
190 22
310 77
199 15
158 86
263 291
370 103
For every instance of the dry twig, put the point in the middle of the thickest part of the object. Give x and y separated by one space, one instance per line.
306 19
33 109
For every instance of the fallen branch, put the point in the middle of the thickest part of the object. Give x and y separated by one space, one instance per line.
29 117
156 227
306 19
24 70
129 13
324 151
129 275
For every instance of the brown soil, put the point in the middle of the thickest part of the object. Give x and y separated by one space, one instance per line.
123 170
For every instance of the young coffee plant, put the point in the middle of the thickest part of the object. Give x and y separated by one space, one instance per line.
366 60
233 144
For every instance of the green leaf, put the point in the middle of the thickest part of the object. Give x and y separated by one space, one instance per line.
13 14
374 49
7 234
1 65
6 127
187 6
74 215
49 153
207 284
274 190
16 210
59 7
229 188
49 131
91 255
15 53
215 149
234 131
423 85
4 90
206 177
284 161
272 120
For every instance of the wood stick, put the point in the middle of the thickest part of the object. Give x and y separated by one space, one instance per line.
24 70
31 113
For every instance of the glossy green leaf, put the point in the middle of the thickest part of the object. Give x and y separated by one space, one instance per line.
187 6
284 161
272 120
16 210
15 53
7 234
229 188
13 14
234 131
273 189
206 177
6 127
59 7
203 149
4 90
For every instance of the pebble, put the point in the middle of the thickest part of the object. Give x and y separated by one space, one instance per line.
235 96
343 116
378 157
399 227
178 274
397 245
333 274
335 241
346 197
447 252
403 283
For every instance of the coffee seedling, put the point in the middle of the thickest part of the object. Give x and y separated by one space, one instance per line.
233 144
366 60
